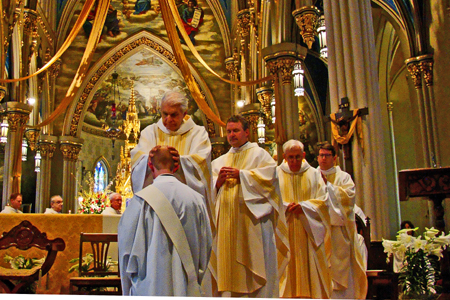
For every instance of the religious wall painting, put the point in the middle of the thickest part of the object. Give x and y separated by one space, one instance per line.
150 77
209 44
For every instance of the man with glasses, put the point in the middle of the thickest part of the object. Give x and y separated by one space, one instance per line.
347 264
56 204
304 196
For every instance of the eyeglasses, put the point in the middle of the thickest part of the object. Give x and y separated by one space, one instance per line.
325 155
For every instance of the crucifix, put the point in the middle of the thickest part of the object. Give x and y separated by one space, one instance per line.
343 120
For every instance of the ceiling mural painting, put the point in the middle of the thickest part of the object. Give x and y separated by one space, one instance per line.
150 75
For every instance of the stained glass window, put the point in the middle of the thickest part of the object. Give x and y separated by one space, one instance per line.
100 176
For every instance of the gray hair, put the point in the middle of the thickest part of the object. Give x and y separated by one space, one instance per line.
53 198
291 144
113 195
174 98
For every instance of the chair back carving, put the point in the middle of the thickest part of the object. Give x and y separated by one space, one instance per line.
100 243
23 237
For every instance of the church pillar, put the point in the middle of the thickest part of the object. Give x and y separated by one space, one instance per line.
251 113
17 115
46 146
421 71
70 148
232 65
280 60
352 68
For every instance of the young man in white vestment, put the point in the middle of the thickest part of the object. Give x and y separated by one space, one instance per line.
308 273
252 246
164 236
347 263
190 142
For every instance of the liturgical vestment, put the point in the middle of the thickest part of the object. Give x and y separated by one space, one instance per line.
194 147
150 265
347 263
308 273
252 246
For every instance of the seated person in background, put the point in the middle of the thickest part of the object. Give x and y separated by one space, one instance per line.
407 225
15 202
56 204
115 200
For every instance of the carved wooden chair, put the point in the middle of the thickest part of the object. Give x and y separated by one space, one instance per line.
97 280
23 237
383 282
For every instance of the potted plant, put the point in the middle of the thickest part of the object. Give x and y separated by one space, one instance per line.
20 262
418 261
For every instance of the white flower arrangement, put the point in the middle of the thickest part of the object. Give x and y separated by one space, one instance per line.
418 259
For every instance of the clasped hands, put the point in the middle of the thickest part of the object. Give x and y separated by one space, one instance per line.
227 173
172 150
294 208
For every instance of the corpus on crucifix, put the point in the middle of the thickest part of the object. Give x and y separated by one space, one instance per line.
343 125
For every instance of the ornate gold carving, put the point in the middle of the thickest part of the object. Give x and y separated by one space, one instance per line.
427 70
2 92
244 22
307 19
285 65
109 63
415 72
32 136
16 120
253 121
264 95
55 68
70 151
218 149
44 29
46 149
210 127
390 106
30 23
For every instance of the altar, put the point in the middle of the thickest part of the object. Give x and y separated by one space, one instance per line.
65 226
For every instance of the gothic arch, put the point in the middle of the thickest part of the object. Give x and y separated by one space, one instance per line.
73 123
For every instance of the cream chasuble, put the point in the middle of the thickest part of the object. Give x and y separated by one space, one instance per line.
308 273
250 224
347 264
194 147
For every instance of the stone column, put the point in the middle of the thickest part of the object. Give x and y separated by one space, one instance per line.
352 67
421 71
251 113
70 148
46 146
280 60
17 114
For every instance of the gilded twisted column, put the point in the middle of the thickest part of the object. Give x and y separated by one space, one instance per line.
46 147
70 148
17 116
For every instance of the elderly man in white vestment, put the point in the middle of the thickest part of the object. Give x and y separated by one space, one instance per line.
252 246
308 273
56 204
190 142
164 236
347 263
115 202
15 201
